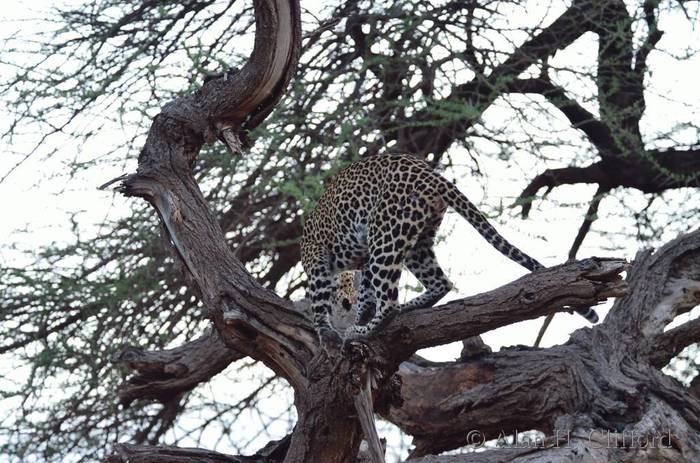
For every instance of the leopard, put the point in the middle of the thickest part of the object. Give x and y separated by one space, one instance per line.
377 215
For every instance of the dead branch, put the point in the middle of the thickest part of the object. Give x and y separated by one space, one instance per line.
604 378
165 375
594 447
573 284
125 453
672 342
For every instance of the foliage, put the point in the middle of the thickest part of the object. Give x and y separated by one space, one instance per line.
371 73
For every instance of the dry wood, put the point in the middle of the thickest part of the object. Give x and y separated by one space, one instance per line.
164 375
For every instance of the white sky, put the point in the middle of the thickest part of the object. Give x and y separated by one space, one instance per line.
30 196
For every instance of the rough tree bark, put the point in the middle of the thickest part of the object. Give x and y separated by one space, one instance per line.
604 379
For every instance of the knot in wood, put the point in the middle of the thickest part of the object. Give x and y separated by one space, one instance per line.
177 369
527 296
129 354
357 352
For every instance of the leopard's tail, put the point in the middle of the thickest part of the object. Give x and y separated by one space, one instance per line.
460 203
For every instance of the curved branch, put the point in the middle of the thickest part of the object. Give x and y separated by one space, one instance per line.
232 105
580 118
662 285
653 171
247 99
552 178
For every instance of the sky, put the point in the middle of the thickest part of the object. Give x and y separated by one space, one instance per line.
41 203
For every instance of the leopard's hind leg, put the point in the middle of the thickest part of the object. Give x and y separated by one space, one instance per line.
393 231
421 261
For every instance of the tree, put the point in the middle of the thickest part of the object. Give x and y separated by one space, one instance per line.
400 97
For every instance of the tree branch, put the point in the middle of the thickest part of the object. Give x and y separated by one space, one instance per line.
591 215
672 342
582 447
254 321
246 100
573 284
580 118
552 178
165 375
653 171
598 380
662 285
421 135
249 315
125 453
624 160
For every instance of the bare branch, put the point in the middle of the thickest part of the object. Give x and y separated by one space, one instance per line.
584 446
579 117
417 135
165 375
256 322
591 215
126 453
245 100
365 412
573 284
654 34
672 342
552 178
555 390
662 285
599 374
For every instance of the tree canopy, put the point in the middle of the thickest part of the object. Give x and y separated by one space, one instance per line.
571 93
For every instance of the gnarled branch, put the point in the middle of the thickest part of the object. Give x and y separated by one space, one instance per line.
165 375
604 378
